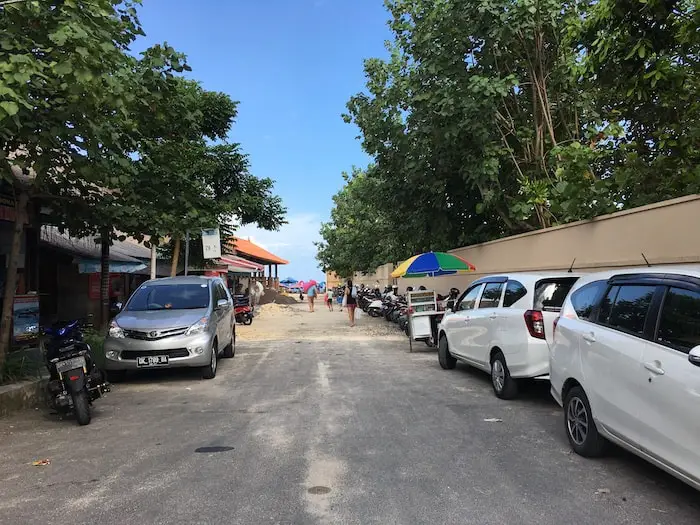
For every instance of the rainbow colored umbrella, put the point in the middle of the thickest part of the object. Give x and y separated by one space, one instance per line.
433 264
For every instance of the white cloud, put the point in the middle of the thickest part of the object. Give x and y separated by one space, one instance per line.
294 242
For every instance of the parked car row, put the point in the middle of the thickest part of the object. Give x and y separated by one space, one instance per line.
620 348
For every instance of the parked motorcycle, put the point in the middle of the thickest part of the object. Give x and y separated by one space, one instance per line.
75 380
244 314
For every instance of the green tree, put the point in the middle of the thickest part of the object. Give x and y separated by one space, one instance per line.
67 89
496 117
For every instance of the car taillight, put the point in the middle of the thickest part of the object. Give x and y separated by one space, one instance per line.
535 323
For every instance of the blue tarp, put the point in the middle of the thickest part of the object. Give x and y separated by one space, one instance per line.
93 266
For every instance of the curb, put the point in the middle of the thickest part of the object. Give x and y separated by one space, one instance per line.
22 395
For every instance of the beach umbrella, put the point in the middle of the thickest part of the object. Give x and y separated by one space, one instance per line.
288 281
433 264
308 284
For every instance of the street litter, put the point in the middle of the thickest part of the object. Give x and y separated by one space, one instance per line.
493 420
602 491
41 462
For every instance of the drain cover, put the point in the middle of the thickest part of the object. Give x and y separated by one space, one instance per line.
209 450
319 490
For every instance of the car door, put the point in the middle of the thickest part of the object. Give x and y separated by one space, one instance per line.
457 325
512 331
224 320
670 396
485 321
611 355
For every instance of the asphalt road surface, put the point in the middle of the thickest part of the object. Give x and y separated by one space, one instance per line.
346 428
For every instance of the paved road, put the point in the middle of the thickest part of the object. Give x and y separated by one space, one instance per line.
351 430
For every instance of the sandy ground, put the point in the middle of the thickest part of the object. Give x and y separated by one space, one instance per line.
276 322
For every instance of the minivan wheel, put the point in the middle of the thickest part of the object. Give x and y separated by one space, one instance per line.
445 358
209 371
580 428
230 350
504 386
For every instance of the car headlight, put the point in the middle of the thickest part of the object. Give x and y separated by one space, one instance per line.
115 331
198 327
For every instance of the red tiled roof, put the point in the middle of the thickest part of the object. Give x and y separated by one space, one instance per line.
249 249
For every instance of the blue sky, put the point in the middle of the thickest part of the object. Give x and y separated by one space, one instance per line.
292 64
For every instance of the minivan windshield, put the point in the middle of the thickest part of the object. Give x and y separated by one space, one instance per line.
550 293
169 297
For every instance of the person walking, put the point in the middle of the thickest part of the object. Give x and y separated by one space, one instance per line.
311 294
351 301
329 299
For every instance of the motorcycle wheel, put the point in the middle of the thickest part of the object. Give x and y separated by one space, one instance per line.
81 407
248 320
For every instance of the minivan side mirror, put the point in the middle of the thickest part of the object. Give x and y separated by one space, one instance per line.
694 356
221 303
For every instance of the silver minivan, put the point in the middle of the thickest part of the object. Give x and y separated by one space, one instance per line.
172 322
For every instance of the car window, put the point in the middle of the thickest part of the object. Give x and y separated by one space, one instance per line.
491 296
514 292
169 297
468 301
221 292
551 293
585 298
626 307
679 326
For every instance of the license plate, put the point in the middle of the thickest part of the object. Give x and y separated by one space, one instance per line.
152 360
70 364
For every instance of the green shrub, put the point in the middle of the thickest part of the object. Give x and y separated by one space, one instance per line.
96 340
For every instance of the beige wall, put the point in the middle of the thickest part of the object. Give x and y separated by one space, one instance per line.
381 274
667 233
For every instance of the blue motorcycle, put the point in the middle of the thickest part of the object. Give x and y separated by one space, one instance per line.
76 381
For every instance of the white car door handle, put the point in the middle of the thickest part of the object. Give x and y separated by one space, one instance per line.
655 368
589 337
493 316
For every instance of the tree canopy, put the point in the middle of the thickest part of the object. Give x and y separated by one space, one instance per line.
496 117
111 142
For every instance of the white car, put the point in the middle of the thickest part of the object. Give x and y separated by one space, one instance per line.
625 365
501 324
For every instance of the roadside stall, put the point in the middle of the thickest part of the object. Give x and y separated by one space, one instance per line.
423 312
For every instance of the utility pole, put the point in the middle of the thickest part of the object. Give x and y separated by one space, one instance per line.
153 260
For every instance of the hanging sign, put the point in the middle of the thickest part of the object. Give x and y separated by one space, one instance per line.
211 243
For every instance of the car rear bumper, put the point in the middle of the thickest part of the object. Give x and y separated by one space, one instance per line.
193 351
531 363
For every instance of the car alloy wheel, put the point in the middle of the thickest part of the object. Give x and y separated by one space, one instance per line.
577 421
498 375
213 363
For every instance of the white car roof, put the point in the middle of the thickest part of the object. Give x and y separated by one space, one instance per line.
528 276
692 270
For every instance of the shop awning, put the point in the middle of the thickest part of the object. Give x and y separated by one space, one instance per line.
94 266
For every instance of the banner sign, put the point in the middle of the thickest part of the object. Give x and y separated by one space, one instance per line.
211 243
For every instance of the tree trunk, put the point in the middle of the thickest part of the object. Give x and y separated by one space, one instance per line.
104 280
11 279
176 258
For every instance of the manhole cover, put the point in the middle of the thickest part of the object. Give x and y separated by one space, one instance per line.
209 450
319 490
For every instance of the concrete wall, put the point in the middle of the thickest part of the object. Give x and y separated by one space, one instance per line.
667 233
381 274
